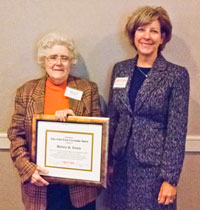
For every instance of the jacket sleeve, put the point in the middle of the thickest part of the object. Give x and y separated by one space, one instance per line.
96 108
19 145
174 148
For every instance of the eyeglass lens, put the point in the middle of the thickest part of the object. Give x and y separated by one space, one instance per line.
54 58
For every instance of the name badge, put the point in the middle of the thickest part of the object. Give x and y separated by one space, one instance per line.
120 82
73 93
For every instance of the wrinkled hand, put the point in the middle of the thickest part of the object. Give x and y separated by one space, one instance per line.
36 179
167 193
63 114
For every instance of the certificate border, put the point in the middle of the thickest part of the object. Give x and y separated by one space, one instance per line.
67 167
104 148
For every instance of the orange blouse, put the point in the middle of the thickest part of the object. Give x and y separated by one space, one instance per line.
54 98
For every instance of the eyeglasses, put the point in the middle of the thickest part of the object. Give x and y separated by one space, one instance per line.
53 59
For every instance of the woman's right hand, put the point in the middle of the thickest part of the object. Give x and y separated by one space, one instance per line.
63 114
36 179
167 194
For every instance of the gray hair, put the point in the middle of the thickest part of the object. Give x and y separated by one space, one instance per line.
51 39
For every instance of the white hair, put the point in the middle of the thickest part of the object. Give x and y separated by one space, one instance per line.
51 39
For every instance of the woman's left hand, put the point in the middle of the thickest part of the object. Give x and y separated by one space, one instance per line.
167 194
63 114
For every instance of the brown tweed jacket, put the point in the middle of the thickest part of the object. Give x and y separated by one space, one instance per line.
30 100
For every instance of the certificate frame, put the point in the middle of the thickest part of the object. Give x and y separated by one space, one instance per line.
74 151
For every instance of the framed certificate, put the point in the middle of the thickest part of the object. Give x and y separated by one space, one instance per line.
74 151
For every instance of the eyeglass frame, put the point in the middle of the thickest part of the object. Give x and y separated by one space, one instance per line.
57 57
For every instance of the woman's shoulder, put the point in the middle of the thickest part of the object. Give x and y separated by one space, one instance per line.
82 83
30 85
125 63
177 70
173 69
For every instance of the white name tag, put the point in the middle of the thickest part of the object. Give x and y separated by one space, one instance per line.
73 93
120 82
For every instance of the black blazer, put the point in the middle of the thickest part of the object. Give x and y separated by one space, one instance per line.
155 131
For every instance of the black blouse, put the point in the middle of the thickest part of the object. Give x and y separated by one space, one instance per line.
136 83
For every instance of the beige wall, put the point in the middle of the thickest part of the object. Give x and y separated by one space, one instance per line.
97 28
10 197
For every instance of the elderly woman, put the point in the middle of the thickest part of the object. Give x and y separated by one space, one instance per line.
56 54
148 110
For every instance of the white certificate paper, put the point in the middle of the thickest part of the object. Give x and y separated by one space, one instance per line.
70 150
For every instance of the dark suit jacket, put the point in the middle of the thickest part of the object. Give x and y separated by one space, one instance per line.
155 131
30 100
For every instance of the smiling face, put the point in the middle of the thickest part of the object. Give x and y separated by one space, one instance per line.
57 64
148 39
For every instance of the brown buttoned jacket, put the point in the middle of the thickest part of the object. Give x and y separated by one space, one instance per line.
30 100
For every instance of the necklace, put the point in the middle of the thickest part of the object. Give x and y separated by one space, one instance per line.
142 72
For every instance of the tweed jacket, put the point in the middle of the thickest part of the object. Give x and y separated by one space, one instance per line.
30 100
155 131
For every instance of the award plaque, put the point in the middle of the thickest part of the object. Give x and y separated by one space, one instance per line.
74 151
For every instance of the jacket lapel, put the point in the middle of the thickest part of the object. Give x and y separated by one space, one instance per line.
151 82
123 95
74 104
38 97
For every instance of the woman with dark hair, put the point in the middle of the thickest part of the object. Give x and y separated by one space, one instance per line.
148 110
